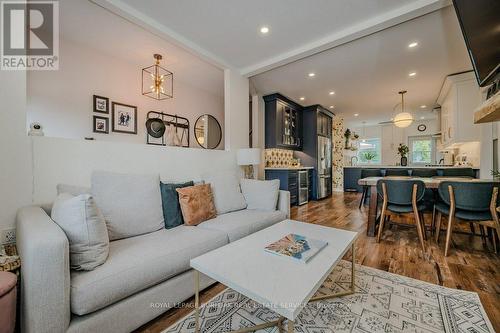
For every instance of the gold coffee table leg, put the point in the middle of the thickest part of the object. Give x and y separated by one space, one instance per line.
197 300
353 280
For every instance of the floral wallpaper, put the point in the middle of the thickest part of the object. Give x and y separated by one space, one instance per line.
338 153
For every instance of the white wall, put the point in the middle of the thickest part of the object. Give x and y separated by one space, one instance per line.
72 162
236 93
15 157
489 132
391 136
62 100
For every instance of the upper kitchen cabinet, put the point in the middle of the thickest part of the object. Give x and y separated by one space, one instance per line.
459 97
283 123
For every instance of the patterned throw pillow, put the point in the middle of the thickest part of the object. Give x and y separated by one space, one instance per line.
197 204
170 201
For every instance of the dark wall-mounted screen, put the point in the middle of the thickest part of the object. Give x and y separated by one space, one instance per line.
480 23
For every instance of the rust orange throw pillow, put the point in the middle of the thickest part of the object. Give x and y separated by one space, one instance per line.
197 204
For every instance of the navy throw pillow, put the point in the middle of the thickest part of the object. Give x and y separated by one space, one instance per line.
170 202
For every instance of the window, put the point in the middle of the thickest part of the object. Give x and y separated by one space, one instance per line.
422 149
369 151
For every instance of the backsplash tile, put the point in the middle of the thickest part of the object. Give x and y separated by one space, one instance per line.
278 158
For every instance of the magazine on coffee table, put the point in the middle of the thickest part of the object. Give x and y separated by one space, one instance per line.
296 247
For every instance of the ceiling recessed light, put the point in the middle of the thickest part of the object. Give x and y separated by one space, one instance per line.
422 117
412 74
332 92
412 44
302 98
423 106
331 106
311 75
264 30
356 114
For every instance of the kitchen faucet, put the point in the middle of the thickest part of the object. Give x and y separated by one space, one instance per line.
352 164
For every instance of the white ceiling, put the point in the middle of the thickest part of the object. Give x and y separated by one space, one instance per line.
366 74
92 26
227 31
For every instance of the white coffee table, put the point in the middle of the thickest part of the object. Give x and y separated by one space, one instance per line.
280 284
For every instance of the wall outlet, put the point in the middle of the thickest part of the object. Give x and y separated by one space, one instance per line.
7 236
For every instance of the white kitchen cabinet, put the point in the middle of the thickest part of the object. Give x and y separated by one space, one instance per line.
459 97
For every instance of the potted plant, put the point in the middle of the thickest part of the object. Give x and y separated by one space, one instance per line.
403 151
369 156
347 136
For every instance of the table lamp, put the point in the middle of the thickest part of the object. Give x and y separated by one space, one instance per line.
248 157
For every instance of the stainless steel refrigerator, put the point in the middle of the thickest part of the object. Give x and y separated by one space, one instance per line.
324 167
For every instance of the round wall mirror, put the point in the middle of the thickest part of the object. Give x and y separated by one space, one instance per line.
207 131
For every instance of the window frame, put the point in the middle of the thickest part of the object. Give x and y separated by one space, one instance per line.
378 148
412 139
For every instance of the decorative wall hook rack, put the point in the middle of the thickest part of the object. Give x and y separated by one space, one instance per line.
176 123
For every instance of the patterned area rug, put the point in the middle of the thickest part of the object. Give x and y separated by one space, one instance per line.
383 302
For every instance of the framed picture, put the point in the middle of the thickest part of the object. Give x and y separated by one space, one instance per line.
124 118
101 125
101 104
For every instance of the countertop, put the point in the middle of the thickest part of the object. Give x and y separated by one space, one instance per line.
289 168
407 167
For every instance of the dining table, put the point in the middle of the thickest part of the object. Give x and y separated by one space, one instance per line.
431 183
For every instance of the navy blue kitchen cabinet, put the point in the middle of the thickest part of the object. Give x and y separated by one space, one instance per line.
289 181
283 123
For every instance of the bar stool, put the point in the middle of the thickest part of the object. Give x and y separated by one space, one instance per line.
396 173
368 173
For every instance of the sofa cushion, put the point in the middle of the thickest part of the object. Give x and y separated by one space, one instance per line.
243 222
197 204
131 204
172 213
137 263
261 194
226 191
84 225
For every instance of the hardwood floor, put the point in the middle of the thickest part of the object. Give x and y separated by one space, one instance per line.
469 266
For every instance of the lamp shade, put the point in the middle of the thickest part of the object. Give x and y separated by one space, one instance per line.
403 119
248 156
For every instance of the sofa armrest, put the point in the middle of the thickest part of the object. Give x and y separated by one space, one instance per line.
45 278
284 202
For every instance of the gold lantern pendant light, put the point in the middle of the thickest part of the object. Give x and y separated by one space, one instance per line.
403 119
157 82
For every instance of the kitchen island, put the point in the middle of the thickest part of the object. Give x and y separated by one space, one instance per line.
352 174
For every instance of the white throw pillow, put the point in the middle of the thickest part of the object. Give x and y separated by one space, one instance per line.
131 204
84 225
261 194
226 192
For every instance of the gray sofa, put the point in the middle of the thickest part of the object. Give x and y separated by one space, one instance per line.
143 276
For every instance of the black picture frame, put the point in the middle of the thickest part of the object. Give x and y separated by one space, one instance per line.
106 127
132 109
96 99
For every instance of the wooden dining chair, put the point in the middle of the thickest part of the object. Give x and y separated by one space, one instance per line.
367 173
473 202
403 197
